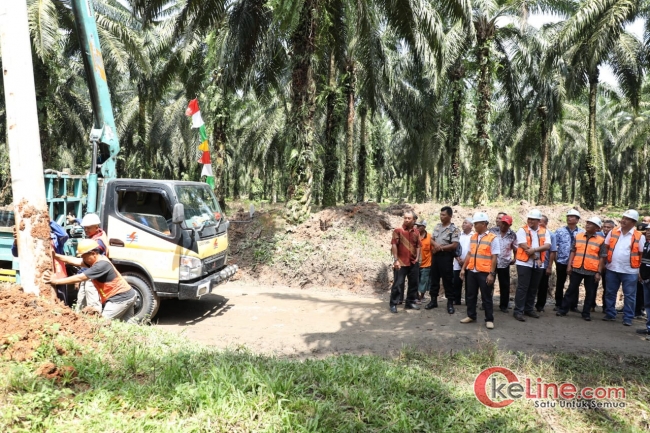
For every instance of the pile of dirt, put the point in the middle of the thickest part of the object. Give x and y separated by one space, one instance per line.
26 319
348 246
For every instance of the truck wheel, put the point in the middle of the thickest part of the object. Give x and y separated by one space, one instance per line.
146 300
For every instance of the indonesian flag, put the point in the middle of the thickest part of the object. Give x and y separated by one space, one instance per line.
194 111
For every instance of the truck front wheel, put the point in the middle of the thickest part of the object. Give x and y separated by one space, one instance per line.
146 300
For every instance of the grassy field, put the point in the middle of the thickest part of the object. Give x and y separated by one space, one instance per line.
141 379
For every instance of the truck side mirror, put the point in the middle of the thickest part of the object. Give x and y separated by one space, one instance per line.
178 213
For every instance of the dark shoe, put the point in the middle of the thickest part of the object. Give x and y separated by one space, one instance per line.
431 305
532 314
519 317
593 309
609 319
400 302
573 309
587 318
393 308
560 314
643 331
627 324
503 310
540 310
410 306
450 309
556 308
640 317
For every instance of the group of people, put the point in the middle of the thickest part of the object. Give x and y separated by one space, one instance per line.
476 256
101 286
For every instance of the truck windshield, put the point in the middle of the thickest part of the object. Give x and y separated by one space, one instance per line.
201 206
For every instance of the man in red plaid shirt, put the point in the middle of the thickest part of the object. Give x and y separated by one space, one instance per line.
405 247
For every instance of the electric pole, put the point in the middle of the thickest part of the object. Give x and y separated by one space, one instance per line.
28 187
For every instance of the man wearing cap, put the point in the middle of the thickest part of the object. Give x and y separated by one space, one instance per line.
587 261
542 292
464 241
564 237
425 259
644 273
117 296
625 246
608 226
533 247
444 241
479 269
405 248
508 243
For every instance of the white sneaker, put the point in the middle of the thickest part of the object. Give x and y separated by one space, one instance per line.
467 320
489 325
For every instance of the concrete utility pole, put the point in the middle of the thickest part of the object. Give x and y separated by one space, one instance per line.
30 207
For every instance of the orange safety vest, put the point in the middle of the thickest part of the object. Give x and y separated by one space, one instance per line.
587 252
541 234
101 235
112 288
480 253
635 254
426 251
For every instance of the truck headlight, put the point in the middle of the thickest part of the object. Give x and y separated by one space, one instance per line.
190 268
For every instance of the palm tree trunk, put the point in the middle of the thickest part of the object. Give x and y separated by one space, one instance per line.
363 157
330 154
303 106
543 186
349 134
481 164
589 191
458 95
219 142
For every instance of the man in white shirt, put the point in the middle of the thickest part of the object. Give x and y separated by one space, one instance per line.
625 247
463 239
534 243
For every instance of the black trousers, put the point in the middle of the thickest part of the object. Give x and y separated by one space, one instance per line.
572 293
527 284
560 270
542 292
412 273
638 307
477 281
503 274
458 288
442 266
603 278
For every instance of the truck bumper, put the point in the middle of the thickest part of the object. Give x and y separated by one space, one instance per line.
203 287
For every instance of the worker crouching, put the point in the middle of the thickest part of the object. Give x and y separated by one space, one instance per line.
116 295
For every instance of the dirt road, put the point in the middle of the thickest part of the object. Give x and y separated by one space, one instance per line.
305 323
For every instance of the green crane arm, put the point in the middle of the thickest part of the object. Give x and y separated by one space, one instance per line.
104 134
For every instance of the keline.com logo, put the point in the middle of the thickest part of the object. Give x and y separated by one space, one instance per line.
499 387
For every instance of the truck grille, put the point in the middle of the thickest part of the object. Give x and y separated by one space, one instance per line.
214 263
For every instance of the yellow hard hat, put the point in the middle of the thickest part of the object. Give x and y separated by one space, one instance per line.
86 245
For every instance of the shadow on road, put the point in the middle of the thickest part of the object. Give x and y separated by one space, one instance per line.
191 312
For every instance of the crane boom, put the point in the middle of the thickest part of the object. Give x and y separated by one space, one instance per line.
104 133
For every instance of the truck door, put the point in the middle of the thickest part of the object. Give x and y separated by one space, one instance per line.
140 231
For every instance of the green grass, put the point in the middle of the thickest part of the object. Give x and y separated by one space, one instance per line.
141 379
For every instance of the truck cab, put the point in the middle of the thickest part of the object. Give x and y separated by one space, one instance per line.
169 239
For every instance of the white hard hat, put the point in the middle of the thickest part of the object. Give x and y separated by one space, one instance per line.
480 217
595 220
535 214
90 219
573 212
631 214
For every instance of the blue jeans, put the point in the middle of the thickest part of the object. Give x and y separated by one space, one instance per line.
646 297
614 281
